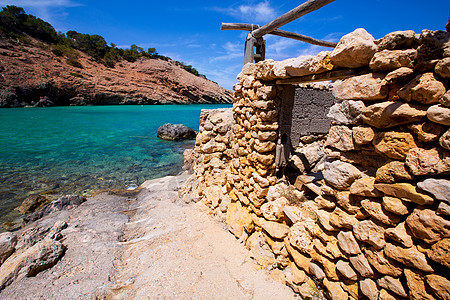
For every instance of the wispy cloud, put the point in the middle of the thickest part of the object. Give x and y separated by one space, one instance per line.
232 51
261 12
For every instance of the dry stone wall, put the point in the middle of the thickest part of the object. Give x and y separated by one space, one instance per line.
372 221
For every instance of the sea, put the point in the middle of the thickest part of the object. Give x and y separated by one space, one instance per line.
85 149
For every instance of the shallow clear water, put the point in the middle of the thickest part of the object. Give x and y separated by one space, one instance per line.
84 149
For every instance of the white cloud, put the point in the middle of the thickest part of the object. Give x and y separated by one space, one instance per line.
261 12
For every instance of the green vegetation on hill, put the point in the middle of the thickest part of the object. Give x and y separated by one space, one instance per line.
16 24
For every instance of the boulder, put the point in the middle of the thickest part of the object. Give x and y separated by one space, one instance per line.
340 174
346 112
273 210
404 191
393 172
8 241
346 270
238 219
428 131
425 88
444 141
433 45
361 264
440 252
365 187
369 288
32 203
399 235
316 270
363 87
389 114
44 102
335 291
443 68
440 285
443 209
341 138
382 264
395 205
363 135
302 66
410 257
259 250
38 258
354 49
445 100
439 114
376 210
371 233
389 60
347 243
301 236
274 229
393 285
174 132
416 285
399 75
427 226
394 144
427 161
439 188
341 219
396 40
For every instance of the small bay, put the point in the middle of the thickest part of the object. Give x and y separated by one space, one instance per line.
84 149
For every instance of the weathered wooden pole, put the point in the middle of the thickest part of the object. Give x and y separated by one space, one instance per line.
277 32
296 13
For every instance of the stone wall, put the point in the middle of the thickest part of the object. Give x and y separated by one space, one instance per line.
372 220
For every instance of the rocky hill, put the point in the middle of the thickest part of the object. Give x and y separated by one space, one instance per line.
31 74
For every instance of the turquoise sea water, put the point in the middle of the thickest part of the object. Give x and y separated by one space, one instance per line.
83 149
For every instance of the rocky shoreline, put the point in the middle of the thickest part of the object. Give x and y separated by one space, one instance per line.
32 75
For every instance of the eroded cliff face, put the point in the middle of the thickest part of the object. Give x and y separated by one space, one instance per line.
31 73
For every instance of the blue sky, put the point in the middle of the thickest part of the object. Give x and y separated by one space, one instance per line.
189 31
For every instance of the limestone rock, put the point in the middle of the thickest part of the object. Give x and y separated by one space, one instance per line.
365 187
316 271
445 100
8 241
443 209
443 68
369 232
427 132
440 252
385 295
346 112
175 132
274 229
351 288
425 88
32 203
383 265
392 172
347 243
404 191
363 135
428 162
335 291
440 285
324 220
400 235
376 210
273 210
388 114
354 49
397 40
395 205
427 226
416 286
39 257
300 260
346 270
264 147
348 202
363 87
399 74
444 141
439 114
341 219
259 250
389 60
439 188
393 285
340 137
369 288
302 66
361 264
301 235
64 202
394 144
340 174
410 257
238 219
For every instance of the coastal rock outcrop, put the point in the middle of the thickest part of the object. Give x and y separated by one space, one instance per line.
174 132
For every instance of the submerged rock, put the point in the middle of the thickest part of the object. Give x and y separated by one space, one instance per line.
174 132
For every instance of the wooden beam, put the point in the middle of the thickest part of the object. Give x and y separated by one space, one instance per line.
331 75
286 34
295 13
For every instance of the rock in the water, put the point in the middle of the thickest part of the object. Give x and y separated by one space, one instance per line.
8 241
389 60
175 132
396 40
32 203
439 114
354 49
388 114
43 102
39 257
